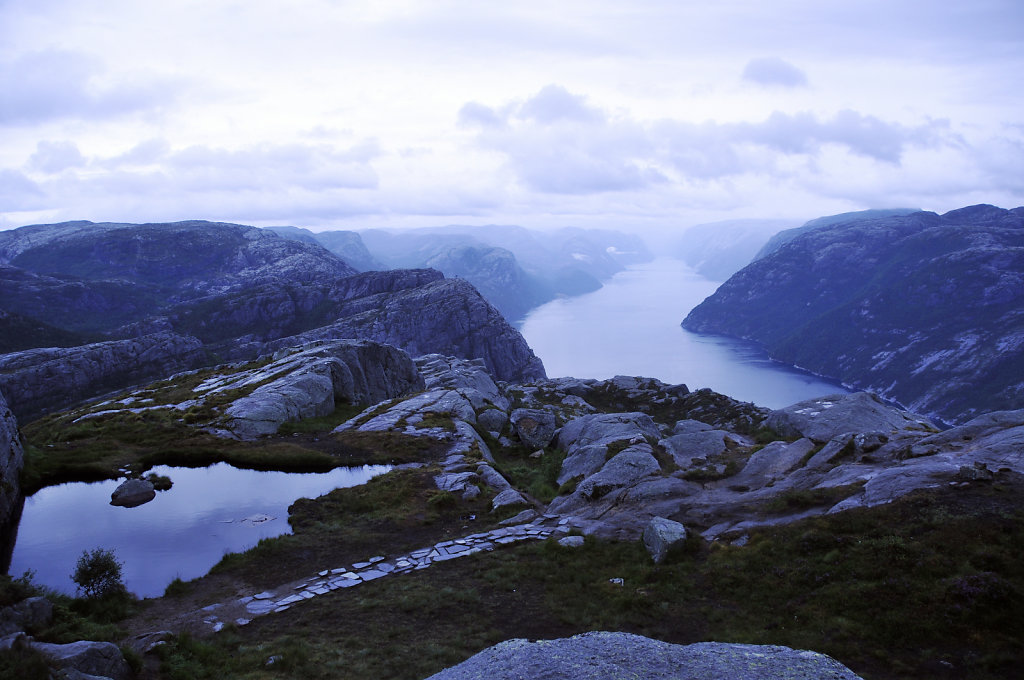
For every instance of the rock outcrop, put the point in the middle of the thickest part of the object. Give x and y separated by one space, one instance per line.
313 381
922 309
445 316
132 493
95 659
600 655
12 459
37 381
824 418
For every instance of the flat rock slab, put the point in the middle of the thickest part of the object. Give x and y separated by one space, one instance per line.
602 656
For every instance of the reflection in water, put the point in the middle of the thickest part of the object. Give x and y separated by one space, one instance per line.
631 327
181 533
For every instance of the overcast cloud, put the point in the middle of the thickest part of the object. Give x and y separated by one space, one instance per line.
344 114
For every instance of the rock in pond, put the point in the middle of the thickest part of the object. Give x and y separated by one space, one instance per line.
133 492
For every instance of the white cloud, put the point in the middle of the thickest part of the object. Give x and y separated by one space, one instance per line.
53 157
49 84
773 71
556 142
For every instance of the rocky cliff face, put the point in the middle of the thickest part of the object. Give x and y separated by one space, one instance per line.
924 309
783 237
496 274
347 245
445 316
86 277
12 459
45 379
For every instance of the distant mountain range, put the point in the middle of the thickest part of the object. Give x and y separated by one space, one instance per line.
924 309
114 304
515 268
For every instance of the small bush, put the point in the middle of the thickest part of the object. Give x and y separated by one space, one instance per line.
159 482
98 573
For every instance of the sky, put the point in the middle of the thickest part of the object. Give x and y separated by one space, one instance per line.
646 115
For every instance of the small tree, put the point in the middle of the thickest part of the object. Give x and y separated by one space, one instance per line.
98 573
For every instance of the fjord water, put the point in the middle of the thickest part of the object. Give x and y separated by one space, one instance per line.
179 534
631 327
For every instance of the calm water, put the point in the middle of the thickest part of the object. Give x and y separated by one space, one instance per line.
181 533
631 327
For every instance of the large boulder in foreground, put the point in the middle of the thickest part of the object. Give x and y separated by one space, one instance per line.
601 656
823 418
101 659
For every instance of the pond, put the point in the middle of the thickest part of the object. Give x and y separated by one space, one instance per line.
184 531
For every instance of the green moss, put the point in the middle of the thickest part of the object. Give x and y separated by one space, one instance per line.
343 412
440 420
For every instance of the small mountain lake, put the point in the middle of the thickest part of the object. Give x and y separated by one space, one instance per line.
631 327
181 533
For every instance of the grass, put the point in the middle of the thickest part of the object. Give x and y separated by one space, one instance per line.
342 413
60 450
536 476
794 499
391 514
73 619
893 592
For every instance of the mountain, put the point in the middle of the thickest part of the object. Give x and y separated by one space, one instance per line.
516 268
923 309
717 250
103 306
92 278
345 244
783 237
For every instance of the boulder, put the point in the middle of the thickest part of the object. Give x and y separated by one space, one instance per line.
133 492
771 464
93 658
492 420
600 655
624 469
311 382
686 446
823 418
535 427
661 535
605 428
506 498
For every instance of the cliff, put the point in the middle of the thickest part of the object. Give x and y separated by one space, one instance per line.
12 459
44 379
923 309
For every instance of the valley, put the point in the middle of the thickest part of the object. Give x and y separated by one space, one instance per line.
747 504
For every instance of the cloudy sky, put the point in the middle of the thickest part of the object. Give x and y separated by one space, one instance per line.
337 114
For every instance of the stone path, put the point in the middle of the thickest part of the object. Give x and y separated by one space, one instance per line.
280 599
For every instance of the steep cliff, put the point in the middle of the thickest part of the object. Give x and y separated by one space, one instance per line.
12 459
924 309
46 379
444 316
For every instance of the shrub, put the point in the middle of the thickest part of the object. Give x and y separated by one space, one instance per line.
98 573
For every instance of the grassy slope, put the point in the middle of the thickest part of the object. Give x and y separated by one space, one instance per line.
894 592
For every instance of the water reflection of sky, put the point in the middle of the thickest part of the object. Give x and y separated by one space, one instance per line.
181 533
631 327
